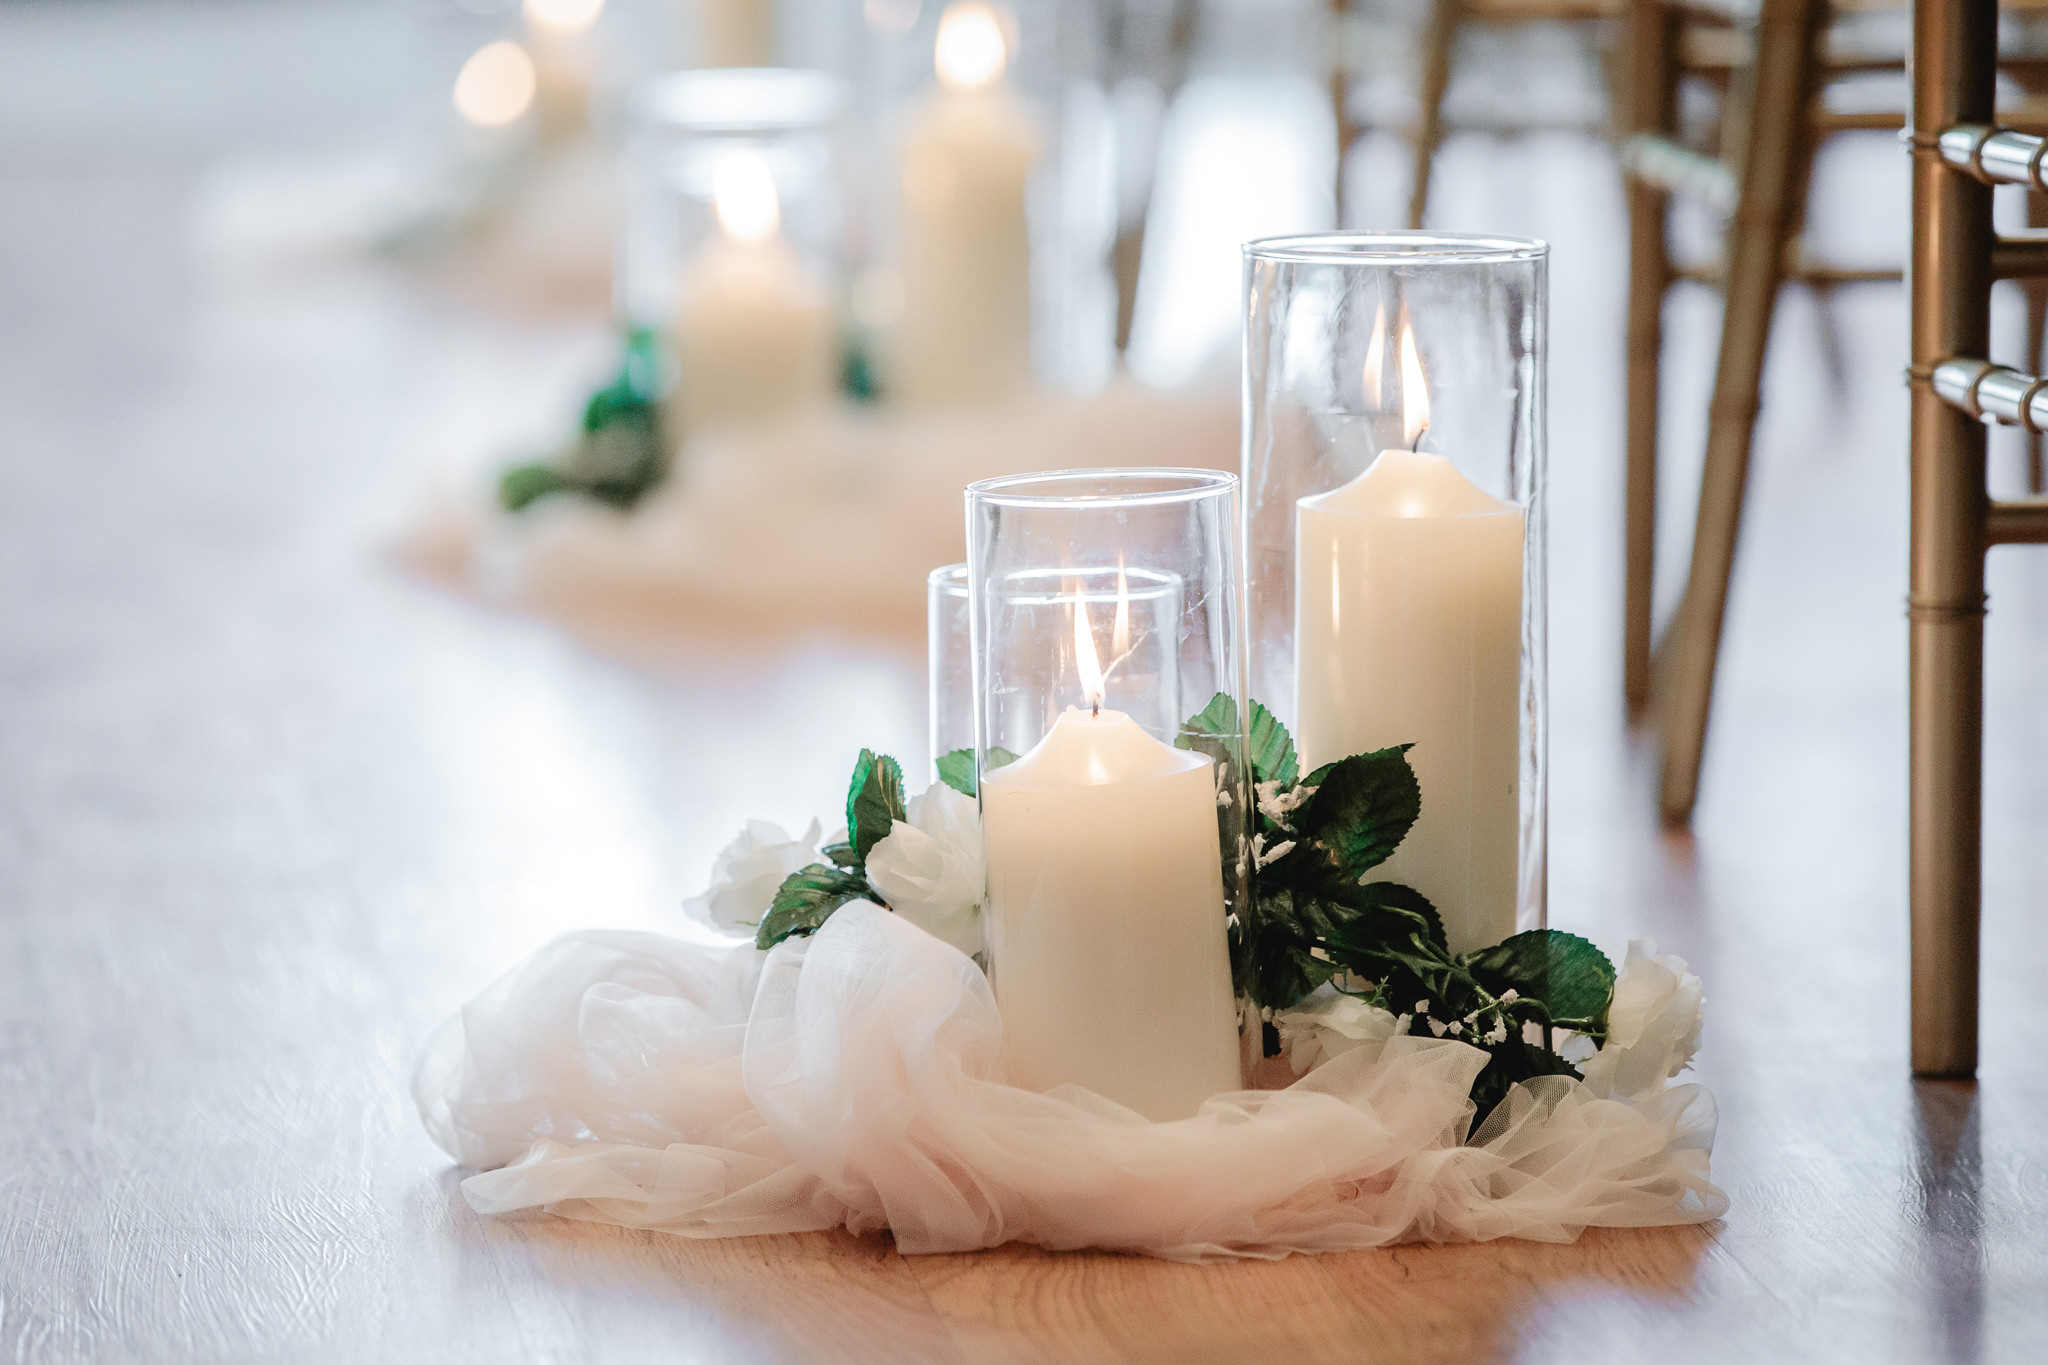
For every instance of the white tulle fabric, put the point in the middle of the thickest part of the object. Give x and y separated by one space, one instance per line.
856 1078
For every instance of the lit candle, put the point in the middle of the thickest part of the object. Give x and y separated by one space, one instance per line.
1107 942
753 332
965 334
563 62
1408 602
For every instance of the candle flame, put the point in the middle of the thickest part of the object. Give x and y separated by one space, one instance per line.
970 53
566 17
1086 662
745 192
1376 360
1414 390
495 85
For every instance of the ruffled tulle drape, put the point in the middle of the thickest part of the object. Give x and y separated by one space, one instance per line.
856 1078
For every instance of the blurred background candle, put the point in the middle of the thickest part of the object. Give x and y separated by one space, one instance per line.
735 32
754 332
557 32
1106 911
1409 602
965 334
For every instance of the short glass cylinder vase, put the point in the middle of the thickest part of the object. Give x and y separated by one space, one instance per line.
732 239
1109 685
1394 539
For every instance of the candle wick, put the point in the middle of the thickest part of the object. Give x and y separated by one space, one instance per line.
1095 708
1415 446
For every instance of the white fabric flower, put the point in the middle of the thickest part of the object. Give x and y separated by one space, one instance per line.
1329 1024
1653 1026
929 867
747 873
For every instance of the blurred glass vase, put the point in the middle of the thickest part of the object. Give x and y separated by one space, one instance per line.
732 240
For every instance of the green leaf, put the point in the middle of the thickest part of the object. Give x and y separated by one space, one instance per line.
956 770
1572 978
1276 964
1269 749
523 485
1383 913
1213 731
874 802
1362 809
1272 749
843 855
806 899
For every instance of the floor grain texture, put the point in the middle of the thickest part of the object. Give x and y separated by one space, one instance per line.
269 809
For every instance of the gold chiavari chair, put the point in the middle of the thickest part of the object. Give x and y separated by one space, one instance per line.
1448 18
1775 120
1959 153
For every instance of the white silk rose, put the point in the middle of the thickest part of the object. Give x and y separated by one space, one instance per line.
929 867
747 873
1653 1026
1329 1024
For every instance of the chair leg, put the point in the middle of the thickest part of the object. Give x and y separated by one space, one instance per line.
1786 51
1651 100
1438 38
1955 44
1340 102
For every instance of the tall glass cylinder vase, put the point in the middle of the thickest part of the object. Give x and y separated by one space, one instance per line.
949 663
1394 534
1109 684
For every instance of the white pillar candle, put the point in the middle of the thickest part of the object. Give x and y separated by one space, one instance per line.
753 335
1107 942
965 332
1408 611
736 32
564 64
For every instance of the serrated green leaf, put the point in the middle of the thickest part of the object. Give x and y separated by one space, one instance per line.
874 802
1271 749
806 899
1572 978
843 855
956 770
1362 808
1213 731
1219 717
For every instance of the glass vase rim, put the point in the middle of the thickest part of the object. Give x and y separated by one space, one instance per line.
1187 485
1406 246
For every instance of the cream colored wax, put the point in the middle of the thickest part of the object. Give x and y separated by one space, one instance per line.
754 334
1106 942
1408 611
736 32
965 333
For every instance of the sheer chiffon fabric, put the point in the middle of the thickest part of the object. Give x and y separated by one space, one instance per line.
856 1078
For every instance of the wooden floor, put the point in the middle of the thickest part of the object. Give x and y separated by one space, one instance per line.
269 809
